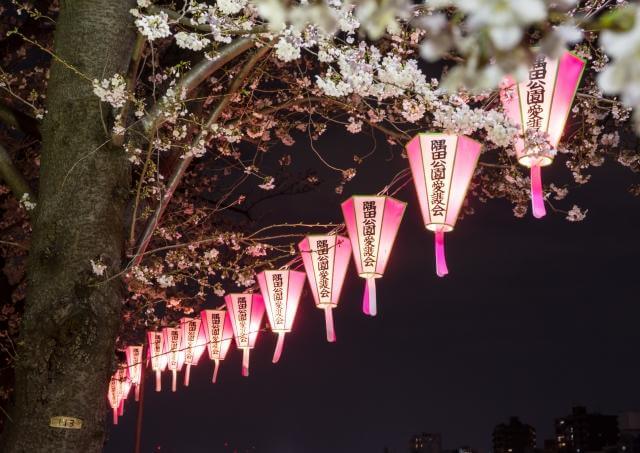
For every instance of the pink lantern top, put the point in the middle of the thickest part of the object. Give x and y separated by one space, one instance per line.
326 260
246 312
372 222
218 335
442 166
134 365
281 291
156 355
193 344
541 104
174 352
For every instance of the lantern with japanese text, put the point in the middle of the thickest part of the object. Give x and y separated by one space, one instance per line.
218 331
326 260
173 351
281 291
156 355
193 342
246 312
119 386
442 167
372 222
540 106
134 364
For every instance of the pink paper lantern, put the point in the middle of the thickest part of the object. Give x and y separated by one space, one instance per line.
156 355
218 331
372 222
246 312
193 344
118 390
442 167
326 260
541 104
134 365
281 291
174 352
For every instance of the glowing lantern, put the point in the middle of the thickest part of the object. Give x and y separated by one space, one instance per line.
372 223
281 291
442 167
218 334
192 344
172 349
156 355
541 105
134 364
246 312
117 392
326 260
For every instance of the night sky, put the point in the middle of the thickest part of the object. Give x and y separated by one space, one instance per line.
534 317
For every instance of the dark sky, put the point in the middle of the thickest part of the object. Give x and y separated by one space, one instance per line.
535 316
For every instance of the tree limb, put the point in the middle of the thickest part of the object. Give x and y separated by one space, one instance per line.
198 74
185 21
12 177
19 120
178 172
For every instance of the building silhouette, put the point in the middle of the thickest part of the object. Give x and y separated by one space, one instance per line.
426 443
582 432
514 437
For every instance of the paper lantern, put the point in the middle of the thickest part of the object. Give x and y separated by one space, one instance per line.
326 260
246 312
216 325
172 349
134 365
442 167
372 222
193 344
281 291
117 392
541 104
156 355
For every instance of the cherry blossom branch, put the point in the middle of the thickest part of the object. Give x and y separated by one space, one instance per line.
198 74
184 163
190 23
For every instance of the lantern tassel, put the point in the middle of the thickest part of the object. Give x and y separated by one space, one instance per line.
441 260
173 380
245 362
279 347
187 375
216 365
328 320
115 415
537 197
121 408
369 305
137 392
158 381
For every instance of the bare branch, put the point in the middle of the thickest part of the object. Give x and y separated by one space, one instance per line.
184 163
198 74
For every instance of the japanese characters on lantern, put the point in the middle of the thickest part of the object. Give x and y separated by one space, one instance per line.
119 386
372 222
442 166
540 106
281 291
156 355
134 364
218 335
193 344
174 353
326 260
246 312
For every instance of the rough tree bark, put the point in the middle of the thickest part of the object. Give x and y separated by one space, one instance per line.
66 350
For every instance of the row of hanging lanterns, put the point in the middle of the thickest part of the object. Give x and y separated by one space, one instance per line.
442 166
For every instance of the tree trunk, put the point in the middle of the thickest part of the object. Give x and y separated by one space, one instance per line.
71 319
